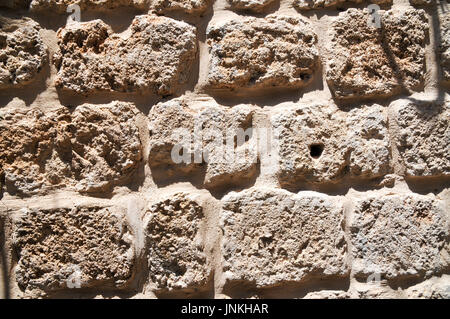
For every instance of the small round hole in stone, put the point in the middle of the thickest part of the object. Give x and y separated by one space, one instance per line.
315 150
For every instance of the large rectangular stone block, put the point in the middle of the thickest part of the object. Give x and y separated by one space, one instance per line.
272 237
399 236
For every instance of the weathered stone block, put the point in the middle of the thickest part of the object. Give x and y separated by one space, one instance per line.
367 62
277 51
78 247
175 230
208 136
399 236
423 137
156 56
318 143
316 4
91 149
186 6
60 6
271 237
250 5
22 52
444 47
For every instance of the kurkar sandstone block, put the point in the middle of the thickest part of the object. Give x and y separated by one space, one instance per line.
271 237
155 56
366 62
399 236
277 51
316 4
205 135
444 47
424 136
186 6
320 144
90 149
250 5
22 52
72 247
175 232
61 5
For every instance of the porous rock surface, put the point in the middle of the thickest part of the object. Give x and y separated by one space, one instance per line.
399 236
203 130
318 143
176 247
22 51
155 57
272 237
365 61
276 51
186 6
224 149
250 5
61 5
444 47
90 150
423 139
59 248
317 4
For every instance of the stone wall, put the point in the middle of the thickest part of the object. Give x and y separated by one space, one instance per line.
339 187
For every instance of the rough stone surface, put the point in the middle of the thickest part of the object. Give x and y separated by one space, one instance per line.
316 4
199 122
399 236
175 240
365 61
59 248
22 52
271 237
61 5
328 294
250 5
318 143
155 57
445 45
422 2
91 149
424 136
187 6
276 51
436 288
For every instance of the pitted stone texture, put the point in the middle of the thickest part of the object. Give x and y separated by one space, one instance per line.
424 137
60 6
435 288
399 236
354 144
83 246
22 52
156 56
328 294
250 5
92 149
316 4
277 51
193 125
445 45
186 6
175 241
369 62
271 237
